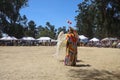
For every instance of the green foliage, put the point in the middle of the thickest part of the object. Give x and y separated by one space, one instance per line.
85 19
99 18
10 17
31 29
61 29
47 31
0 34
10 9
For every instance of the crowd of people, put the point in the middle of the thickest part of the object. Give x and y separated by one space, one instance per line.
26 43
105 44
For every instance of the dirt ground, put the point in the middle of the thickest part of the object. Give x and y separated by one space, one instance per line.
38 63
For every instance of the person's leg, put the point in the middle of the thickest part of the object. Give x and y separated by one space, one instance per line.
73 60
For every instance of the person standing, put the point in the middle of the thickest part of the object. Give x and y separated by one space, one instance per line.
71 47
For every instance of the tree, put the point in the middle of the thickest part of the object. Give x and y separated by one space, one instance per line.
51 30
31 29
23 20
10 9
0 34
85 19
47 31
9 14
19 31
99 18
62 29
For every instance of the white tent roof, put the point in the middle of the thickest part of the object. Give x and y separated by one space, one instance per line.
52 40
94 39
28 38
82 37
44 38
14 38
8 38
4 38
106 39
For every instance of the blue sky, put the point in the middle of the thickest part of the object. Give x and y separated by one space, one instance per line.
57 12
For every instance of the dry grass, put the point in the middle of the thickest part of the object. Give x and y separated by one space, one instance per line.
37 63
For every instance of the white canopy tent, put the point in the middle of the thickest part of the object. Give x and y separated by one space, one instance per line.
44 39
27 38
8 38
94 39
14 38
30 38
83 38
53 40
109 39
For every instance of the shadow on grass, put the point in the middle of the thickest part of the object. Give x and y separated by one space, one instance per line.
94 74
79 65
76 61
79 61
82 65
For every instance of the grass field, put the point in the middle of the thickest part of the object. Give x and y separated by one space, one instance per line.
38 63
